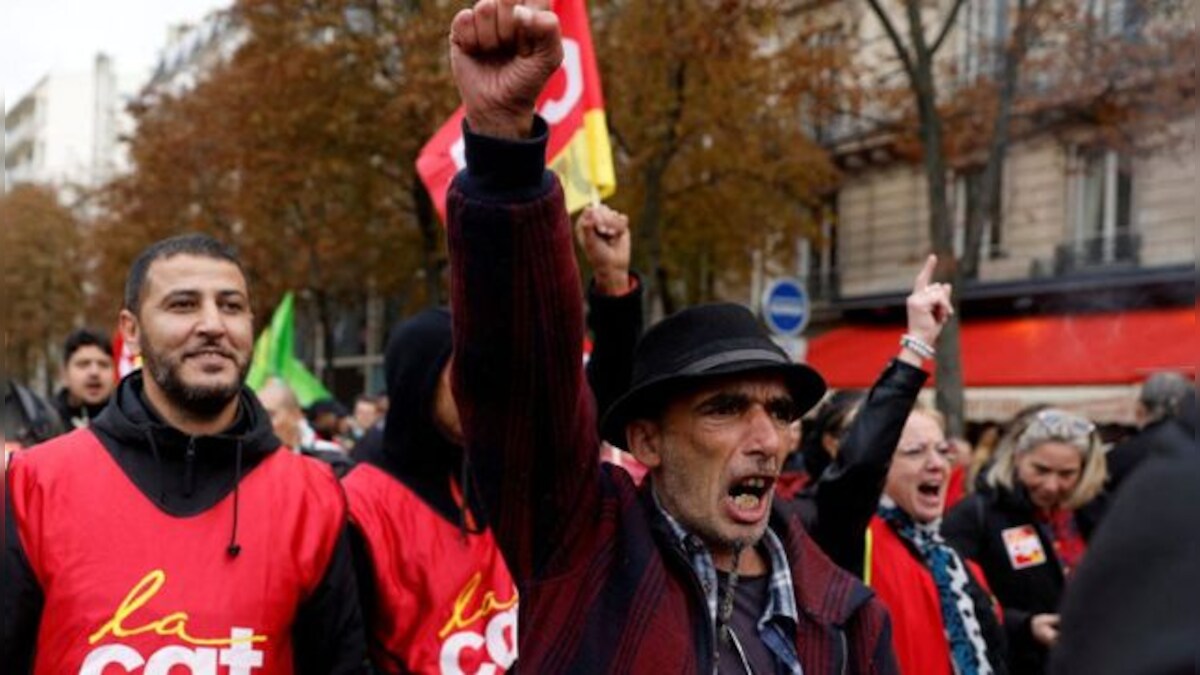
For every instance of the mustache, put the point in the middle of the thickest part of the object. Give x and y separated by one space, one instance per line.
210 349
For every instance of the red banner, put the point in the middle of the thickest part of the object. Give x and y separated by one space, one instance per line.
572 104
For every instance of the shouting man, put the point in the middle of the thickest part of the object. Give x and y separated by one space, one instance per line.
698 571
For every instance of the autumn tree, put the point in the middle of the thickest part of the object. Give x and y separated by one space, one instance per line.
41 276
713 164
300 151
1060 62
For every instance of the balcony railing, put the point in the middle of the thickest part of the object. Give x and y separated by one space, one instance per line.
1120 250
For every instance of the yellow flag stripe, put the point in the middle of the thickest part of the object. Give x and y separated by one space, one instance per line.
585 163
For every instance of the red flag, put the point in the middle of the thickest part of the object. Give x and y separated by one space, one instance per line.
124 362
572 104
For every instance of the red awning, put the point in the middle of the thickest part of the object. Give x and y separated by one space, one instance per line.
1091 349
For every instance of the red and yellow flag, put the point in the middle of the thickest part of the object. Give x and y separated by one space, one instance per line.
572 104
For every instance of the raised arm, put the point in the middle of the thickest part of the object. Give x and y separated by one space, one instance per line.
848 492
614 302
528 420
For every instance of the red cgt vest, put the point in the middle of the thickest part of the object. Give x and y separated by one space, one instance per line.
131 589
445 602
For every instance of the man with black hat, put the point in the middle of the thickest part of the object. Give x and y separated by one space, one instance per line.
696 572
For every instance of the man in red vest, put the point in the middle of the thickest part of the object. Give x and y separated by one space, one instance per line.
173 533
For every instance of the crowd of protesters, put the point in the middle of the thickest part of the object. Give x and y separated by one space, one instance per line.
462 521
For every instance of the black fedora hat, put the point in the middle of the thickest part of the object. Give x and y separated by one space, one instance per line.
699 343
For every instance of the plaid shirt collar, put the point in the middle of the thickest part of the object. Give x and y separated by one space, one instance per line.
777 626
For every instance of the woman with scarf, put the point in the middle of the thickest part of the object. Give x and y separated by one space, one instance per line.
944 621
1028 526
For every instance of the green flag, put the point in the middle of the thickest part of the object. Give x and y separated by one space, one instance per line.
274 356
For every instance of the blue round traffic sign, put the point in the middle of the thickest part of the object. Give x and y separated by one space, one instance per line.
785 306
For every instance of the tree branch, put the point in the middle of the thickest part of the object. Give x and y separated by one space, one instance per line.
894 36
950 19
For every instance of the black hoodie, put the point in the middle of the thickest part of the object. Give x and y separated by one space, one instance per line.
75 416
184 476
410 447
414 451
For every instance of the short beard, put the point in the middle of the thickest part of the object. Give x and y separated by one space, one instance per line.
199 402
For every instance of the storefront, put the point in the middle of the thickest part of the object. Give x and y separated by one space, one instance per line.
1091 363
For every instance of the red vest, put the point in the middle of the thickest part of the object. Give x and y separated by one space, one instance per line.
131 589
906 586
444 601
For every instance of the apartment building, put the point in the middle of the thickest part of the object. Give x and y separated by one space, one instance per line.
66 130
1086 282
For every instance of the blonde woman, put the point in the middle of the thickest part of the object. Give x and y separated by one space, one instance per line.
1025 528
943 619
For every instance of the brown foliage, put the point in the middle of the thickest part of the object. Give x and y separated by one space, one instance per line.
300 152
712 161
43 290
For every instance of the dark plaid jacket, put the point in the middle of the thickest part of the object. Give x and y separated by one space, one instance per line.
603 589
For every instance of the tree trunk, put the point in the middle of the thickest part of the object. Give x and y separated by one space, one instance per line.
651 229
949 384
990 202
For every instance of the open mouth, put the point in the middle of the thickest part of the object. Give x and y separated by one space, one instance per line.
930 488
749 493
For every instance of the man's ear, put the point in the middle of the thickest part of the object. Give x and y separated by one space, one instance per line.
643 438
131 331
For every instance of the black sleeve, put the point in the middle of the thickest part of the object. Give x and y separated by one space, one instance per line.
23 601
328 635
963 527
847 495
616 325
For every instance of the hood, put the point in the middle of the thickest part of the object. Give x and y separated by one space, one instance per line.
183 474
74 416
413 450
131 417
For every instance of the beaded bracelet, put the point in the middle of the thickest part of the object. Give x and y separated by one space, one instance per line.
918 346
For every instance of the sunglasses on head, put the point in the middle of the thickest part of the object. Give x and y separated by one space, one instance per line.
1064 424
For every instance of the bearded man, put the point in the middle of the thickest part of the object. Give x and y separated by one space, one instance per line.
173 531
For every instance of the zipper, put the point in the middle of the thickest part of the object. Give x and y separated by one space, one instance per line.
189 468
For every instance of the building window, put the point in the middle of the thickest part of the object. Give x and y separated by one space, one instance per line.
818 256
968 198
984 28
1113 18
1102 225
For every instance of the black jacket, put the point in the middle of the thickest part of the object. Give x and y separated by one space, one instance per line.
75 416
1132 607
974 528
837 508
185 476
27 419
1163 437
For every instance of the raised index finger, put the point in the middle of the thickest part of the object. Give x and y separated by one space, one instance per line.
926 274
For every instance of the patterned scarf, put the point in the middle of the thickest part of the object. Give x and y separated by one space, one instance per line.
968 651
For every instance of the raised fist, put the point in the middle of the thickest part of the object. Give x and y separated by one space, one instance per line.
603 234
502 52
